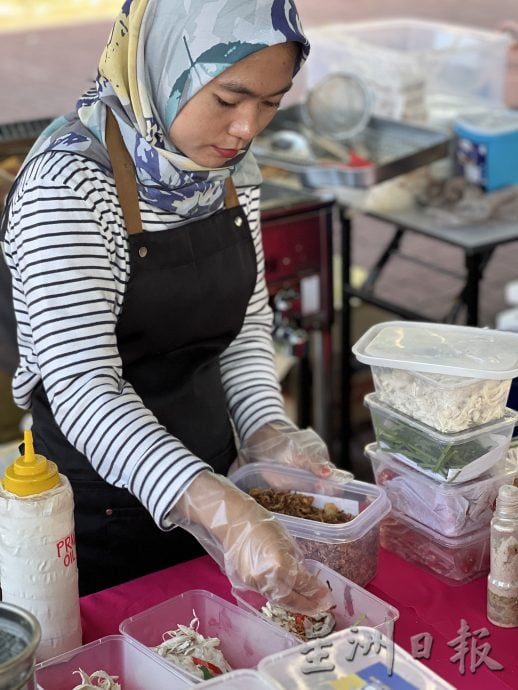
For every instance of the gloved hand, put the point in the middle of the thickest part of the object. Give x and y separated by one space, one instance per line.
249 544
285 444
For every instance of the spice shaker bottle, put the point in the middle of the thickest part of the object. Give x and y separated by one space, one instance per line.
502 595
38 568
19 637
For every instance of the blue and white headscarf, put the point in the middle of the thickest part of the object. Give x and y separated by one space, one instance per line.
159 55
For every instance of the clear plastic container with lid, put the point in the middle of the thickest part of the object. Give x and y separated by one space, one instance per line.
458 457
350 548
239 680
451 378
358 657
452 509
352 605
456 560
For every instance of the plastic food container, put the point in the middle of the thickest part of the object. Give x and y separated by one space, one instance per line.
244 638
455 559
406 60
239 680
451 378
450 509
353 604
350 548
452 457
136 667
359 657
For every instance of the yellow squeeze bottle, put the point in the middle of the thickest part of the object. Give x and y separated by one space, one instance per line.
30 474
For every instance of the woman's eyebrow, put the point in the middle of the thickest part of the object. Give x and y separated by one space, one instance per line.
236 87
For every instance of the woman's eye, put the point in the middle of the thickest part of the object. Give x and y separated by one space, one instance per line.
224 104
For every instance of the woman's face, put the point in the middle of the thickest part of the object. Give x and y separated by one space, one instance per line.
226 114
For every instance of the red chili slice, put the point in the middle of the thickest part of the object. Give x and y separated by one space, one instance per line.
207 664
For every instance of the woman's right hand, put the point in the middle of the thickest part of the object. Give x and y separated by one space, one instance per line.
252 546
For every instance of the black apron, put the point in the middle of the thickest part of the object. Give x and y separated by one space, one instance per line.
185 302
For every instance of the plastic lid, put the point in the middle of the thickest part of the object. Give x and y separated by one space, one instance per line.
494 121
440 348
30 473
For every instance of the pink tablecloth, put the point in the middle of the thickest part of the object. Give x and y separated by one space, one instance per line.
426 605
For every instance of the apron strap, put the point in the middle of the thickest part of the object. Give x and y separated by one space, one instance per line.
231 198
124 174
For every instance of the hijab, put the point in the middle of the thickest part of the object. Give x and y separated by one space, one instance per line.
159 55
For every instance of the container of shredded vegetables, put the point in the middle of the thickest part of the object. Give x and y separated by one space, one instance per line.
459 457
352 605
452 378
111 663
452 509
203 635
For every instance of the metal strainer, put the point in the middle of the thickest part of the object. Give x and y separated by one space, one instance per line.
338 107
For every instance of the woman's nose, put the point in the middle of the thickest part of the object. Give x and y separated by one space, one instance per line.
244 125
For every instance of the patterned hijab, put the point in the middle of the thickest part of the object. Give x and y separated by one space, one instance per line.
159 55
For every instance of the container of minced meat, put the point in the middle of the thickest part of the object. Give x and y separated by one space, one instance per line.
452 509
352 605
451 378
350 545
358 657
458 457
456 560
195 616
115 657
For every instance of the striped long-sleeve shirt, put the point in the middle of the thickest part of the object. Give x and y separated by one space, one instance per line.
67 250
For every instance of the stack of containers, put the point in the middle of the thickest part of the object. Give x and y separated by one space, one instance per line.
442 436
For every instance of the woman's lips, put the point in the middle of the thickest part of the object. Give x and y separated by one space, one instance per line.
226 153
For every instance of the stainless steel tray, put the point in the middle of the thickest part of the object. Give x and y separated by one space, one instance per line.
393 147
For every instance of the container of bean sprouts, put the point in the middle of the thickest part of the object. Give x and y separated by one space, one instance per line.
459 457
203 635
451 378
113 663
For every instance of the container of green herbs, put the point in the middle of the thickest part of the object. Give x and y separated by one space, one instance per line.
454 457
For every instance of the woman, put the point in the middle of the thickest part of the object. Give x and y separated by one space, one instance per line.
138 283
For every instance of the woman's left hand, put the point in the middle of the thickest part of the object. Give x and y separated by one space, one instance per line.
285 444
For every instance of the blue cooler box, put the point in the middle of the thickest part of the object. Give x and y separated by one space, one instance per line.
487 148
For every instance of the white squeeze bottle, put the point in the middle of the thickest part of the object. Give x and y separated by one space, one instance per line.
38 567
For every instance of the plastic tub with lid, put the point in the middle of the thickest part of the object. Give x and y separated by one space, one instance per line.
450 509
457 457
449 377
245 679
487 147
350 548
352 605
244 638
358 657
455 560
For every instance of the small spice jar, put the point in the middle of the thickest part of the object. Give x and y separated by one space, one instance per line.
502 595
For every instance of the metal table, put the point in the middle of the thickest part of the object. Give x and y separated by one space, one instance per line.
477 241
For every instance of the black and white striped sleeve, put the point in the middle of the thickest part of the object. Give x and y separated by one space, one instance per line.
68 256
247 365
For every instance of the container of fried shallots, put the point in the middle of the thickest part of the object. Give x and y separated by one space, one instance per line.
352 605
334 521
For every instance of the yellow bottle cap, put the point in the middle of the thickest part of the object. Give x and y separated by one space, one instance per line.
30 474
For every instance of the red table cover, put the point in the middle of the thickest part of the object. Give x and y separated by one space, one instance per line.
429 610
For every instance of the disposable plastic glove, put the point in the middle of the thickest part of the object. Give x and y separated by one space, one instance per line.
285 444
249 543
